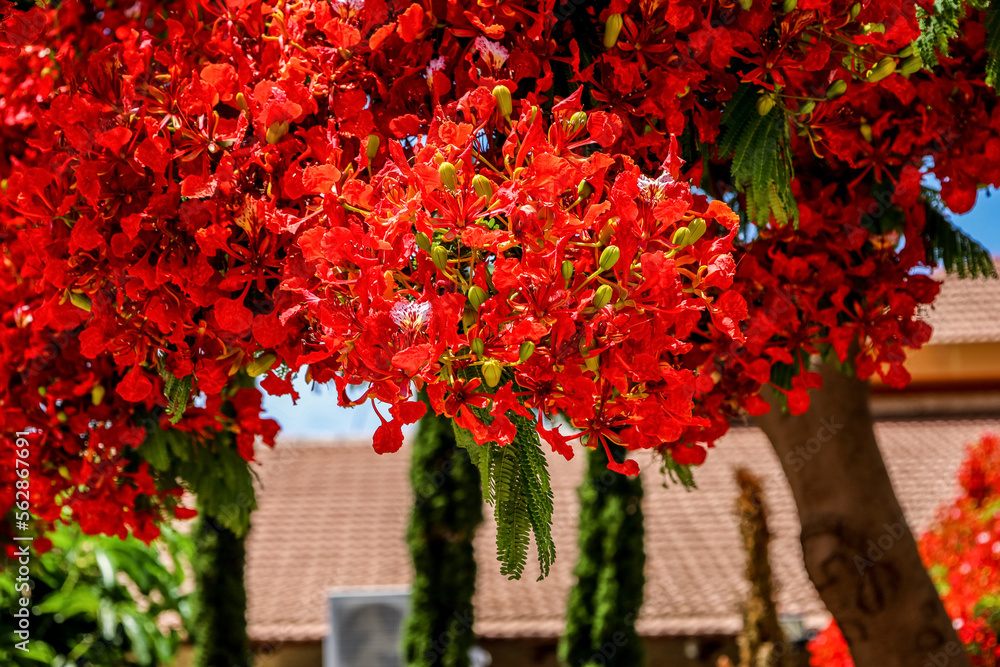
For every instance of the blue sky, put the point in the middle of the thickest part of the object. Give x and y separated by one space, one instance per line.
317 414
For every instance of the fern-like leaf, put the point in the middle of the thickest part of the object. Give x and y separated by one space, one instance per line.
992 26
956 250
516 483
761 167
177 391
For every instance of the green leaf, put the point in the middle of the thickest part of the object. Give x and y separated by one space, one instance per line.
177 391
949 245
759 147
515 481
941 26
992 26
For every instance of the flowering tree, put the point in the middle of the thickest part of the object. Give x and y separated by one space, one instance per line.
962 552
494 203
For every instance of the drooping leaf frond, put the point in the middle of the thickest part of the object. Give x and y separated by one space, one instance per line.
950 246
761 160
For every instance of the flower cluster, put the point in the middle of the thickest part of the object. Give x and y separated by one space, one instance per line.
491 201
962 553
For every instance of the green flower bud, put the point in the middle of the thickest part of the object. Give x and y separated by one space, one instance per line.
884 68
764 104
584 189
482 186
746 5
439 255
261 364
680 237
567 269
241 102
423 241
603 296
907 52
62 417
612 29
81 301
609 257
593 363
866 132
696 229
836 89
477 346
789 5
447 173
97 394
277 132
42 391
911 65
492 372
527 349
373 143
577 121
855 10
807 108
504 103
477 296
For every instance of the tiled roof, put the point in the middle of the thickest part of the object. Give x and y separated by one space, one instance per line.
336 517
966 311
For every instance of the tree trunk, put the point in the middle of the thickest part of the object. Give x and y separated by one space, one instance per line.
857 546
604 603
221 597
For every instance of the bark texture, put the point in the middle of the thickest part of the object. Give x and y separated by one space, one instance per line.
858 549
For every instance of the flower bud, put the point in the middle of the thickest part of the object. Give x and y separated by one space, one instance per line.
764 104
423 241
527 349
807 108
602 296
97 394
789 5
439 255
81 301
866 132
477 296
482 186
609 257
884 68
577 121
605 236
855 10
477 346
567 269
584 189
277 132
42 391
836 89
373 143
241 102
447 173
911 65
492 372
504 103
62 417
696 229
746 5
680 237
593 363
261 364
611 30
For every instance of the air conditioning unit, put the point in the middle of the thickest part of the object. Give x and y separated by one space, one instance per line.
365 628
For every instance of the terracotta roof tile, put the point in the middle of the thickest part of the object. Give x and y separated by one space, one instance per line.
336 517
966 312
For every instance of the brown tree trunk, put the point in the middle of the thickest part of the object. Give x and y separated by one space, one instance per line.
858 549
